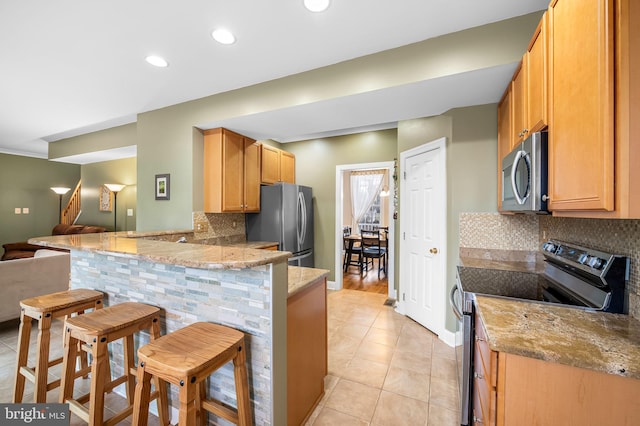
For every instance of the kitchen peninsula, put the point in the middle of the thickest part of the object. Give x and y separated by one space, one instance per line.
244 288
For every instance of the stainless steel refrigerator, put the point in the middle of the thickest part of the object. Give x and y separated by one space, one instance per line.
286 216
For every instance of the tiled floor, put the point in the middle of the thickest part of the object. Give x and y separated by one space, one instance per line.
384 369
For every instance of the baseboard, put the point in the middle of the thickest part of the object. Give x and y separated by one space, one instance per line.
331 285
448 337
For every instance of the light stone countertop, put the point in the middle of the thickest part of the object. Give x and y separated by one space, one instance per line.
184 254
300 277
504 265
604 342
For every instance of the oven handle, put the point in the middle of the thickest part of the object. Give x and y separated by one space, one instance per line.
452 301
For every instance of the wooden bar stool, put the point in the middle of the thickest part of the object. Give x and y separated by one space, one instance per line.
96 330
186 358
44 309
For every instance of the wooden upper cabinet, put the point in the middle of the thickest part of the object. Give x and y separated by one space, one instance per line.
537 78
287 167
504 137
519 129
270 164
581 120
228 178
277 166
251 175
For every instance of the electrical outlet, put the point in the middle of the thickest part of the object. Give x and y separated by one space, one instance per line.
202 226
129 212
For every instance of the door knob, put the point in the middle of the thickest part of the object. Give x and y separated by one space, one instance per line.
433 250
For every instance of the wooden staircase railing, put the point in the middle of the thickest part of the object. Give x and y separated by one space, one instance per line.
71 212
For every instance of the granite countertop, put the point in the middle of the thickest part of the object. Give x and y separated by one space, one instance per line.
253 244
300 277
599 341
185 254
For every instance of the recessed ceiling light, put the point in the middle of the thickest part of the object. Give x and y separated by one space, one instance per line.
157 61
316 5
223 36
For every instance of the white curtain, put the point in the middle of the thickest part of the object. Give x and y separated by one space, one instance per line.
365 186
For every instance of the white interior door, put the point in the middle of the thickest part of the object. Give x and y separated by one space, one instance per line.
423 258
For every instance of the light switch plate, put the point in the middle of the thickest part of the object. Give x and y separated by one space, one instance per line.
129 212
17 210
25 210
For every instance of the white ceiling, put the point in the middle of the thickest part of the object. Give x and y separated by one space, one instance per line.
70 67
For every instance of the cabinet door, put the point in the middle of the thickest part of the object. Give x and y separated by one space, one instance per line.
504 137
233 171
537 78
519 104
270 164
251 175
287 167
581 139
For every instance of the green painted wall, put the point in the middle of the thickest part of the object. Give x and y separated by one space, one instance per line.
97 174
316 162
26 182
115 137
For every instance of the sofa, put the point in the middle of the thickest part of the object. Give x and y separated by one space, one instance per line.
23 250
46 272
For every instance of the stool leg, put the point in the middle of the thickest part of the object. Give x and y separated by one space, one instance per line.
130 383
161 386
68 367
141 400
98 380
24 334
42 358
201 413
242 387
187 416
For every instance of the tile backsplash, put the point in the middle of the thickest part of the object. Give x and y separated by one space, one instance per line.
494 231
222 227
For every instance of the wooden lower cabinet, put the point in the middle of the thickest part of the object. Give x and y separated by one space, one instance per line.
516 390
306 350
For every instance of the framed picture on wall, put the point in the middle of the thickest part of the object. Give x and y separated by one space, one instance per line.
163 186
106 199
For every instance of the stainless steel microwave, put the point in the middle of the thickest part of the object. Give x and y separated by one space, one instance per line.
524 176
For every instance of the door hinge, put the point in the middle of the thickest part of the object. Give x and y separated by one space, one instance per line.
404 235
403 298
405 175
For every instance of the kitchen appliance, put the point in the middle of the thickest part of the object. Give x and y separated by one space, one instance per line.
524 176
574 276
286 216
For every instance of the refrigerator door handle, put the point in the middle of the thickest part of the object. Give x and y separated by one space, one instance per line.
302 219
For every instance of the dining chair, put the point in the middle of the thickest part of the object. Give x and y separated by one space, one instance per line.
372 249
351 247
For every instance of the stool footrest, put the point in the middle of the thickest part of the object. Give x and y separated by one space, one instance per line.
218 409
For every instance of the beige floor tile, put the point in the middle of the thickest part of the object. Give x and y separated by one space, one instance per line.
354 330
386 322
366 372
444 393
338 362
343 344
408 383
382 336
354 399
398 410
410 343
440 416
374 352
444 368
330 417
416 361
443 350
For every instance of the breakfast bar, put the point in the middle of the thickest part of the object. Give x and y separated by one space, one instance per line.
240 287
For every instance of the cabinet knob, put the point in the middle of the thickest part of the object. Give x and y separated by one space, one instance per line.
546 198
477 375
525 131
477 420
478 339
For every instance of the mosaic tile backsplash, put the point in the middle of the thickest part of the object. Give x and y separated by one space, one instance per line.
494 231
